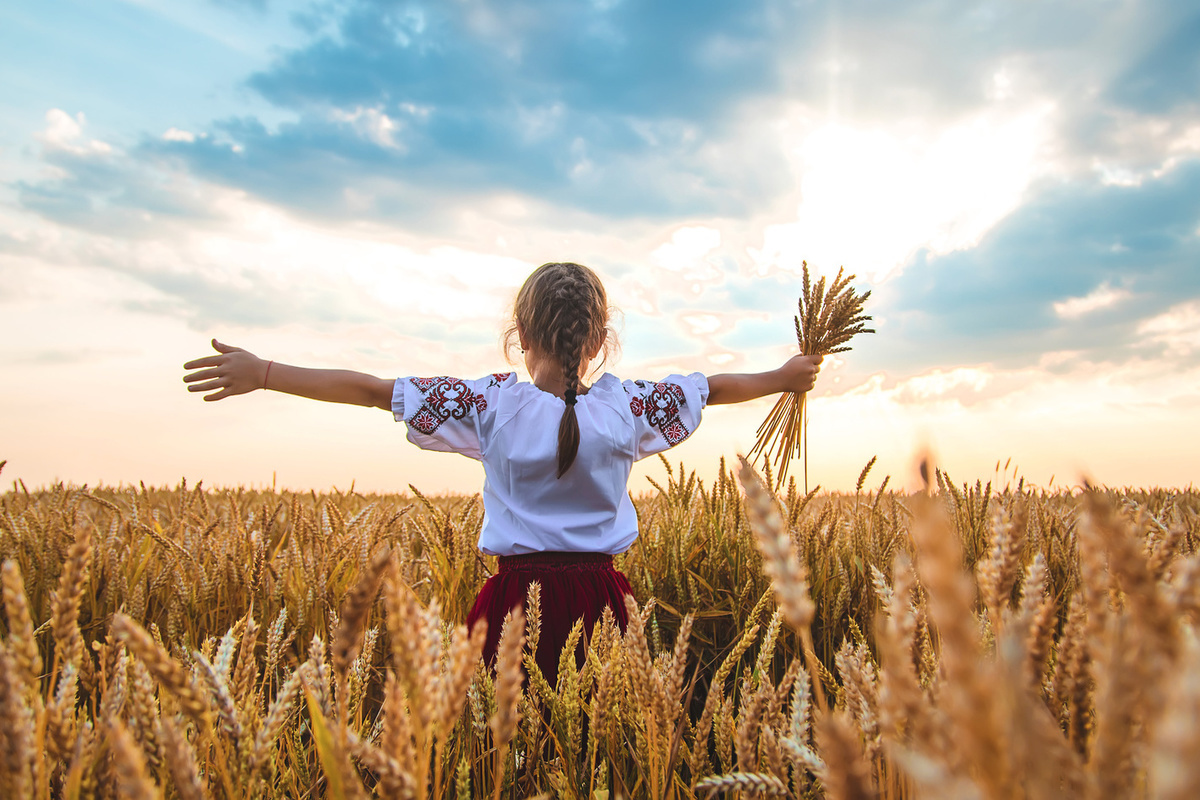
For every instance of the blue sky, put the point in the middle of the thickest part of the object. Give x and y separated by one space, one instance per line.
364 184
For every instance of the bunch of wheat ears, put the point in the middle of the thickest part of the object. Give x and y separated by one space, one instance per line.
828 319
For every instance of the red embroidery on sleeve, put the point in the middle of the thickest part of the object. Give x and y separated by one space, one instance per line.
443 399
424 384
661 405
675 433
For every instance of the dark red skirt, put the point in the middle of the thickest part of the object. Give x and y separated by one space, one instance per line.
574 585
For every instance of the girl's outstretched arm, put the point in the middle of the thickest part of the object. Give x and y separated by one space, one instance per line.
798 374
237 371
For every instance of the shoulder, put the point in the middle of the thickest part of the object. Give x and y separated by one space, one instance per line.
449 386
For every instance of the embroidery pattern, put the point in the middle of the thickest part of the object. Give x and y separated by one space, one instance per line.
443 399
660 405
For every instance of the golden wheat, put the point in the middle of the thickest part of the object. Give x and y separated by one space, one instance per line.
1044 646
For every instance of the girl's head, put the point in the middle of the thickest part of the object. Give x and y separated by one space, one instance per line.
562 313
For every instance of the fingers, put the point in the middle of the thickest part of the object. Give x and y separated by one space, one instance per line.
207 361
224 348
200 376
221 395
208 387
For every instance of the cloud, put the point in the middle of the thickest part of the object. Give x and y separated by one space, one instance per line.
1103 296
64 133
621 111
1004 299
92 185
617 109
1178 328
372 124
676 138
174 134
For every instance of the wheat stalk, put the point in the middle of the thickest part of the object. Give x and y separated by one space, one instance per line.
829 317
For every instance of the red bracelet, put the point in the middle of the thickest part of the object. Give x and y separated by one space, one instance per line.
267 375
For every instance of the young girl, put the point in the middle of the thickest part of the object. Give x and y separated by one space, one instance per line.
556 452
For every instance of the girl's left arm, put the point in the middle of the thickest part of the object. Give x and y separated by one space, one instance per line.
798 374
237 371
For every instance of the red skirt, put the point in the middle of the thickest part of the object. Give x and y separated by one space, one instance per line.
574 585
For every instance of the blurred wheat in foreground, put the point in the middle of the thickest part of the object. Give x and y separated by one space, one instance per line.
964 642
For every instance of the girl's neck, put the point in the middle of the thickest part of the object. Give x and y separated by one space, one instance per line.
547 374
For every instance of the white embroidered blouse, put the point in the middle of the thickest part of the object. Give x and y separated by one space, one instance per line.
512 427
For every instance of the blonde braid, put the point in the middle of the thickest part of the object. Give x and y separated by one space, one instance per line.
571 339
563 309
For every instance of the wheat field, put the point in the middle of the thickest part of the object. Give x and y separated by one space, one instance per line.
969 641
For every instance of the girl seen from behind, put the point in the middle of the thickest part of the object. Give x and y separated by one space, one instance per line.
556 453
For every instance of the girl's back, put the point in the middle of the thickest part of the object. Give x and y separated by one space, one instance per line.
509 426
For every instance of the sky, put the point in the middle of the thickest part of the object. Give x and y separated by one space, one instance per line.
365 184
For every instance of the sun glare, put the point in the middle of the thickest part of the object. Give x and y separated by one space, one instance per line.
871 198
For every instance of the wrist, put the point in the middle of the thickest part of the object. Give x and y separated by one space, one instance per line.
777 381
266 375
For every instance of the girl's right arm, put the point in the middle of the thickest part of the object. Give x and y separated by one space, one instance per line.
798 374
236 371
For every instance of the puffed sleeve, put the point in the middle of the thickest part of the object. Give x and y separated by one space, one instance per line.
665 412
448 414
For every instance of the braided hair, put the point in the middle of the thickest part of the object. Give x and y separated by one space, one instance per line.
563 310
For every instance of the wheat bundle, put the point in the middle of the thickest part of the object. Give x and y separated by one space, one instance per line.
829 317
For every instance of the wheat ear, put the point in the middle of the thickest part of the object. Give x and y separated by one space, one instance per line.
27 659
508 691
133 782
782 566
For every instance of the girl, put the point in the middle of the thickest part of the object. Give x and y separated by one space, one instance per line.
556 452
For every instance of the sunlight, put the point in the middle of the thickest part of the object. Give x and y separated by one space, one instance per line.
871 199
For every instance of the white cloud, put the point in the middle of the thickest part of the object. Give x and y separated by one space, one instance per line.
1103 296
64 132
938 384
1178 328
373 125
174 134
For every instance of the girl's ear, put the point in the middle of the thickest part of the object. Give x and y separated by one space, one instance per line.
521 337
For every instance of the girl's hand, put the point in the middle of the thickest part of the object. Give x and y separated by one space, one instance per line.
799 373
234 371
